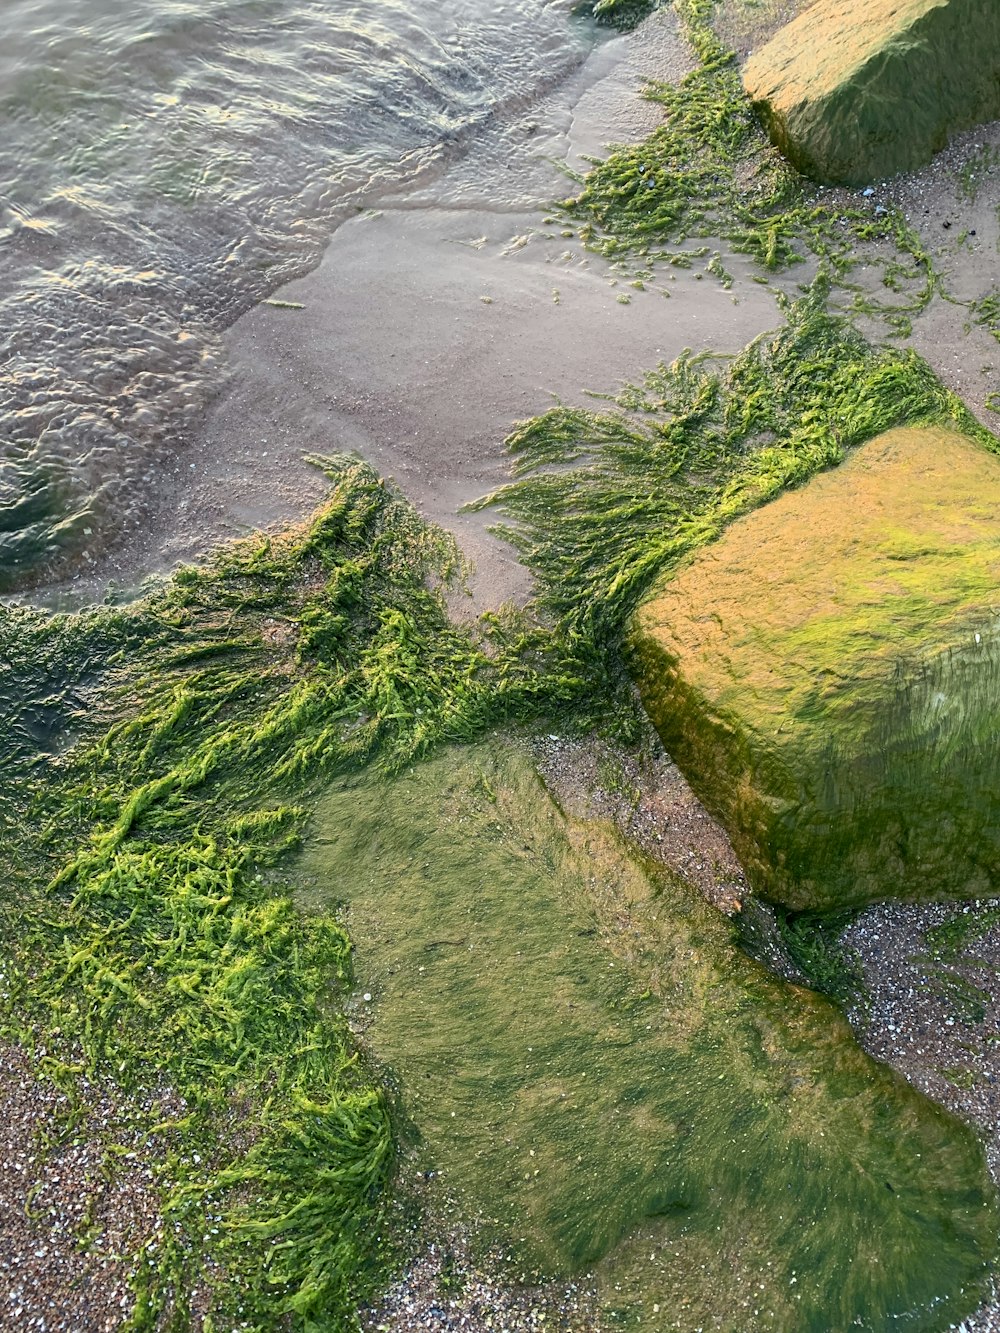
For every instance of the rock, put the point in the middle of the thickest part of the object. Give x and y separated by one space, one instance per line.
854 91
827 677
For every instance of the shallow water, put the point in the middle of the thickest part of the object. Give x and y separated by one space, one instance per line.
164 166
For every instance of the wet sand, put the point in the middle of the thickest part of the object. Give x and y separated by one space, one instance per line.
423 336
435 323
432 325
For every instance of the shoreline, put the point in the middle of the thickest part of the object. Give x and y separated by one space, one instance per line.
436 321
508 296
432 324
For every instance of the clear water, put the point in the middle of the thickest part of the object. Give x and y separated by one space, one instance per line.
163 166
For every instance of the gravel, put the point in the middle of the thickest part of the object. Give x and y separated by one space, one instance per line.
923 1017
445 1289
72 1217
652 805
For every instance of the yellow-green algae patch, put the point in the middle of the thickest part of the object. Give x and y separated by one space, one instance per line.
853 91
594 1068
158 763
828 676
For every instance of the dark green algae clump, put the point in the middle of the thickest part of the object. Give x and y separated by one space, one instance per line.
621 14
156 933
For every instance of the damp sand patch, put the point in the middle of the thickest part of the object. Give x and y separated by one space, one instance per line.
605 1081
425 332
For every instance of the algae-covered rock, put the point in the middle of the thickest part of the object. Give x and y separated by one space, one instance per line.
585 1061
856 90
828 677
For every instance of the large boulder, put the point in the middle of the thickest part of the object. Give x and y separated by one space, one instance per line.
827 675
853 91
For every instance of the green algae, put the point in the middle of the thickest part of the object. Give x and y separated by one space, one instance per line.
599 1074
709 172
608 502
621 14
965 926
149 931
975 171
813 943
985 313
162 764
951 968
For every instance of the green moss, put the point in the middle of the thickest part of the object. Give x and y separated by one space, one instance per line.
599 1074
825 676
855 91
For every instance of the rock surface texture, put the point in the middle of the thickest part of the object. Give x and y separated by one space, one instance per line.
853 91
827 676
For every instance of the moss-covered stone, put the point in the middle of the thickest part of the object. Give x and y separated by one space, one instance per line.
828 676
856 90
586 1062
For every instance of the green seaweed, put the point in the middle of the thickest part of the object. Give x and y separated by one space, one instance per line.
975 171
948 949
605 503
150 931
621 14
814 944
966 1002
985 313
709 171
961 928
150 922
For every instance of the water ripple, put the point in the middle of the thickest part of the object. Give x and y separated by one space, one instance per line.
165 165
